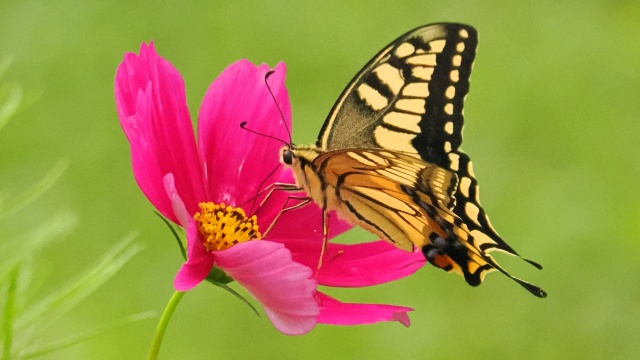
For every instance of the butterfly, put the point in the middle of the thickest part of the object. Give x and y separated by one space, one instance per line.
388 156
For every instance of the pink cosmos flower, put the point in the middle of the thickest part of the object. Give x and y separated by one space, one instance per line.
207 186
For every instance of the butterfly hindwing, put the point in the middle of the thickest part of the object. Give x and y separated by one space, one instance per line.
406 201
369 188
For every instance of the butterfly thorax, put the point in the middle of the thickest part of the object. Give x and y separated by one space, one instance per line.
301 161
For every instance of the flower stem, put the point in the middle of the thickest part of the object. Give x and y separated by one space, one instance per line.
162 325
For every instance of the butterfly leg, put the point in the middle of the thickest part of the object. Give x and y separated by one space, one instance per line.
278 187
270 190
303 201
325 236
325 239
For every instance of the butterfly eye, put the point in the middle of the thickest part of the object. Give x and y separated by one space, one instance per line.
287 156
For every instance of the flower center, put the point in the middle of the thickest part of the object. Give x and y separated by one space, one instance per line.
223 226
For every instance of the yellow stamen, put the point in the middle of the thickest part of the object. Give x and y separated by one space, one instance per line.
222 226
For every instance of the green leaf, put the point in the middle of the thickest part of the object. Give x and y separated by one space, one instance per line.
220 279
175 234
218 276
35 191
9 313
13 95
17 250
49 348
10 106
47 311
4 66
236 294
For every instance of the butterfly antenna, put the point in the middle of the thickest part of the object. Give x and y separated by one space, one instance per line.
266 78
243 125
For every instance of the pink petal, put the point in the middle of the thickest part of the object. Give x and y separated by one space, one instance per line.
179 210
306 223
238 161
335 312
152 107
358 265
283 287
199 261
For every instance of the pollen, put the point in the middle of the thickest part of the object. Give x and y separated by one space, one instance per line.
222 226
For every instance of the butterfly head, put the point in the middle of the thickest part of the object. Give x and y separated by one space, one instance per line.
301 162
298 157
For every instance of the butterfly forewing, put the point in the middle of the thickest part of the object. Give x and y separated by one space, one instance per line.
411 90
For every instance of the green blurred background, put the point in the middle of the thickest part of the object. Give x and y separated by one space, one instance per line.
552 125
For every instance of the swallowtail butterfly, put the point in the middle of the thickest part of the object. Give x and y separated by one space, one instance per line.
388 156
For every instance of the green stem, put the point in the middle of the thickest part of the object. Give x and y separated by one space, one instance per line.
162 325
9 312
